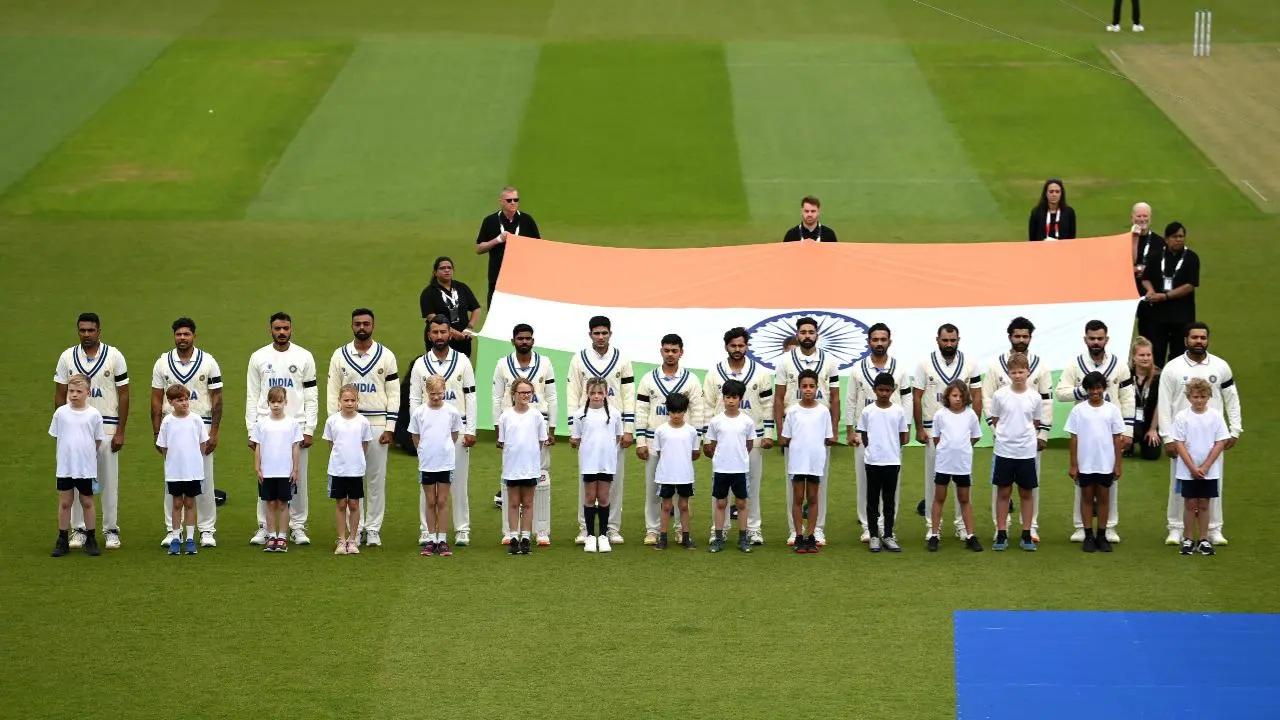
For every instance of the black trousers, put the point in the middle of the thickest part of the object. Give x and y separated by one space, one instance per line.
882 487
1115 12
1140 447
1166 340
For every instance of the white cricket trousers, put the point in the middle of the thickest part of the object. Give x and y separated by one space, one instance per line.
821 525
541 501
1175 511
108 490
457 493
615 497
374 505
298 505
206 506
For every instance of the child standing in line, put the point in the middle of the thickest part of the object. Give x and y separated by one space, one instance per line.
349 434
956 429
597 435
435 426
1199 437
77 428
181 441
806 432
884 431
522 433
1097 444
677 447
278 443
730 436
1017 414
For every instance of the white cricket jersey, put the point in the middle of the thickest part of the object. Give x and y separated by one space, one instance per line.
758 400
106 371
199 374
435 428
275 439
788 371
807 431
294 370
934 374
1199 432
956 431
731 435
615 370
1095 429
884 428
181 437
348 436
375 374
521 435
1119 384
540 372
78 433
1040 379
651 402
1017 418
459 384
674 447
862 387
598 431
1224 398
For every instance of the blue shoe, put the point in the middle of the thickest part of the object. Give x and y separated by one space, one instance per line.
190 546
1000 544
175 546
1027 545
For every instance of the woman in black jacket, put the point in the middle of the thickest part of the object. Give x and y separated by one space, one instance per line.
1146 391
1052 218
453 299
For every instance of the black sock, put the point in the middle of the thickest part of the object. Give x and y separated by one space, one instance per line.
1026 536
63 534
602 519
1088 533
1002 534
589 515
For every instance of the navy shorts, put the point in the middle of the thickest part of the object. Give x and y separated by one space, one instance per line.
597 477
522 482
346 488
811 479
666 492
1099 479
84 486
723 483
277 488
946 479
431 477
1194 489
1015 471
184 488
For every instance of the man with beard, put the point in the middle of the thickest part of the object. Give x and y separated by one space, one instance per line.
525 364
1197 362
372 368
1039 380
862 392
810 228
757 403
198 372
929 385
1119 391
460 389
285 365
786 390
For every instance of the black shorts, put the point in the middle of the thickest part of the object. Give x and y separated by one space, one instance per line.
597 477
722 483
184 488
1192 489
1099 479
946 479
522 482
666 492
811 479
346 488
277 488
82 485
431 477
1015 471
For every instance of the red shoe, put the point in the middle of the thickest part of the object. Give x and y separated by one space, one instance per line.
428 550
443 550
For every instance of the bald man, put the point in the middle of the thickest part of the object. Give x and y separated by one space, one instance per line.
494 229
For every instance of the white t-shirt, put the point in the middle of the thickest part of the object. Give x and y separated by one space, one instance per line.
1095 429
348 436
1199 431
1015 433
883 427
275 440
808 430
674 446
953 455
181 437
598 432
521 435
730 434
78 433
437 450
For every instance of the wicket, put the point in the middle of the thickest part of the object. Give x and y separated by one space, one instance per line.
1202 40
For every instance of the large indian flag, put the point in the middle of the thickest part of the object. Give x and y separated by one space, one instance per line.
698 293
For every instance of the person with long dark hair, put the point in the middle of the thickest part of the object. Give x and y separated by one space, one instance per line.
1052 218
452 299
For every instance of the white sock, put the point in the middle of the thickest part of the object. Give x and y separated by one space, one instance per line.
191 532
524 534
442 537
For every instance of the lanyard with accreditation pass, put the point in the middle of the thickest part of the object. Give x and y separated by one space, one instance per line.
1167 276
1051 225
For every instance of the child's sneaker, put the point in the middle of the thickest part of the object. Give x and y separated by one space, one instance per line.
1187 547
189 547
61 546
282 545
443 550
717 543
340 548
973 543
686 541
430 548
1206 548
1001 542
591 544
1103 543
891 544
603 545
1026 543
874 544
744 542
1090 544
932 543
269 545
91 544
661 542
813 544
353 547
175 546
525 546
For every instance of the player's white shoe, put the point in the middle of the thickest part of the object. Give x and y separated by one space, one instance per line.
111 539
506 540
259 537
755 537
581 539
1173 538
1216 538
76 539
1078 535
168 538
960 532
1035 535
462 538
1113 28
590 544
614 537
819 537
603 545
1112 536
544 539
865 537
300 537
1139 28
207 539
425 537
650 538
372 538
791 540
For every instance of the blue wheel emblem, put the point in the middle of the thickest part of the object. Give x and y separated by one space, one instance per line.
842 337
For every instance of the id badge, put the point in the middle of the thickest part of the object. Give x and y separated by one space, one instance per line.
1168 284
1140 415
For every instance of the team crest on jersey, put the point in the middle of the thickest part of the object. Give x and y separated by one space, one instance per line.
1213 378
379 371
842 337
293 368
107 374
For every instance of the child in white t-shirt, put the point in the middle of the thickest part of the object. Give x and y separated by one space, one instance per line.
677 446
596 435
77 427
884 431
956 429
730 436
1199 437
1017 415
181 441
522 433
434 427
349 434
1097 444
806 433
277 449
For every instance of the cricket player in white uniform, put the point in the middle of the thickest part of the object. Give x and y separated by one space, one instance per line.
1039 381
525 364
197 371
108 376
932 376
1197 362
460 390
601 361
786 391
862 392
1119 391
757 403
651 412
372 368
285 365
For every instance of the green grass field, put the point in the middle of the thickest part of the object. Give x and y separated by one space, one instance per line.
227 159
